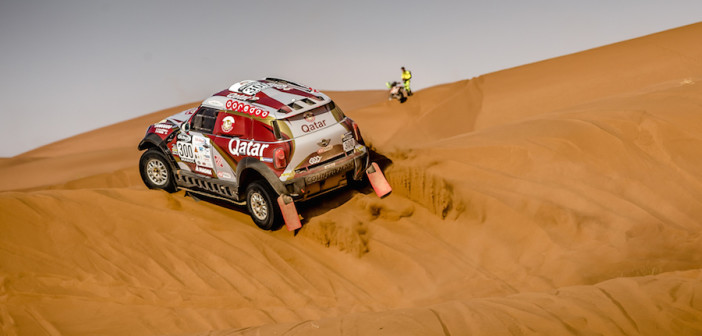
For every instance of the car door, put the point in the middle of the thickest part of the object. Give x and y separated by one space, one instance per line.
230 128
195 149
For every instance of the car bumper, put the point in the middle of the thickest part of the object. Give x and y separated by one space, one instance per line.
329 176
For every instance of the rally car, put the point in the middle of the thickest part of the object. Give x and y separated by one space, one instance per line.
267 143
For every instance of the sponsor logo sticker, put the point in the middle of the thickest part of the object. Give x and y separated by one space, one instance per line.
283 87
246 148
241 96
213 102
313 126
245 108
315 159
185 151
227 124
324 149
224 175
202 170
218 161
251 87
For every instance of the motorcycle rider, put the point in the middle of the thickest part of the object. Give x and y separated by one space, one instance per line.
406 76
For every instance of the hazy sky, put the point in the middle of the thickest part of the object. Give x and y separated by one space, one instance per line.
67 67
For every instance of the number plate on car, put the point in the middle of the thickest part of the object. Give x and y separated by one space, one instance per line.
349 144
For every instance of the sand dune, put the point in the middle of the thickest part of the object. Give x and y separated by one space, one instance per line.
561 197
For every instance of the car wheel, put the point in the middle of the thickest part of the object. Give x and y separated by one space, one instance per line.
260 201
156 171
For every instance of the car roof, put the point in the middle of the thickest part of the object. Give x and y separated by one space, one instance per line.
280 98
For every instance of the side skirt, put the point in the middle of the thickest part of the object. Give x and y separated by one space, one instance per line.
226 191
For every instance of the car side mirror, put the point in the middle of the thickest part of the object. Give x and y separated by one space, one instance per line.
185 128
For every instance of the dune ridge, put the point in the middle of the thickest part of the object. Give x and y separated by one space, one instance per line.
561 197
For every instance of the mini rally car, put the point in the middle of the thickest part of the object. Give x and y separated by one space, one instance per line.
267 143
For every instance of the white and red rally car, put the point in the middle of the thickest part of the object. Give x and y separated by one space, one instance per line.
267 143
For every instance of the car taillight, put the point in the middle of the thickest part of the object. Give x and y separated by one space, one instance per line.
279 161
357 133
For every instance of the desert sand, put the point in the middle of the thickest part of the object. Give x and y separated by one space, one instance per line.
556 198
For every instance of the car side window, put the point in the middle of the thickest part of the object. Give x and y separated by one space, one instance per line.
204 120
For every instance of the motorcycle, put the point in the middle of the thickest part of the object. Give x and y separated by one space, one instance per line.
397 91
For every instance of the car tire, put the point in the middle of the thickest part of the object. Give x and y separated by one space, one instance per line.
155 171
261 202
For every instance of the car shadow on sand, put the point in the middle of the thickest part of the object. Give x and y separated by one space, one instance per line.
316 206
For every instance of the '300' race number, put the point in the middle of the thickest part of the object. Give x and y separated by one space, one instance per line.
185 151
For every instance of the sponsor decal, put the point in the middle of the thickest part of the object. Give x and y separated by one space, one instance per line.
218 161
227 124
313 126
199 140
185 151
203 158
251 87
202 170
241 97
284 87
309 117
162 131
246 148
184 137
201 152
213 102
224 175
245 108
164 126
286 176
315 160
266 159
328 173
324 149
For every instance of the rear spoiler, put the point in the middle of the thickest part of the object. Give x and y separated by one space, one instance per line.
284 81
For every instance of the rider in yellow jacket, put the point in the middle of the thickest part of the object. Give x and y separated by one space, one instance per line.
406 76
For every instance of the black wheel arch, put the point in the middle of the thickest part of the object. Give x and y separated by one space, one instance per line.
250 169
154 141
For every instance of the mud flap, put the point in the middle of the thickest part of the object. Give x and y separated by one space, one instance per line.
290 216
377 179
